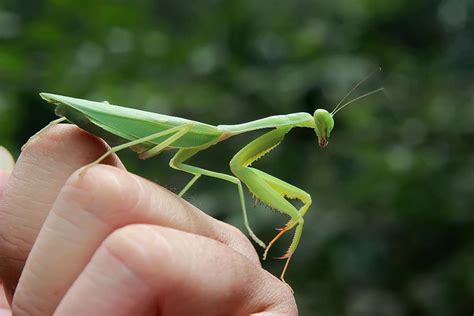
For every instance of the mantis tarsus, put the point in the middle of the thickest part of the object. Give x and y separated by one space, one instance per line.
150 133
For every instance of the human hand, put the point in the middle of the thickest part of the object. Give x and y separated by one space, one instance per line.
6 166
112 243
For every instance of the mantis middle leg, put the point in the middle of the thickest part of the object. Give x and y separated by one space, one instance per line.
176 133
271 190
177 163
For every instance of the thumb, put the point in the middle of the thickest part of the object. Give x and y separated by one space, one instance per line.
6 167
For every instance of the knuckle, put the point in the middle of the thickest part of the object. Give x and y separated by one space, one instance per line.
122 236
239 236
237 240
106 192
282 301
136 244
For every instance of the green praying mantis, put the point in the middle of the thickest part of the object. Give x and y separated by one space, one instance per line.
149 134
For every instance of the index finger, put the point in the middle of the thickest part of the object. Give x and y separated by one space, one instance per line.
91 207
148 270
39 174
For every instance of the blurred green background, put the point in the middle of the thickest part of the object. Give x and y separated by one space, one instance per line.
391 228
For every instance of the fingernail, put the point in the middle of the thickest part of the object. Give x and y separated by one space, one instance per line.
6 160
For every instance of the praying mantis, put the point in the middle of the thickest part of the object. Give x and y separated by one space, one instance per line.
149 134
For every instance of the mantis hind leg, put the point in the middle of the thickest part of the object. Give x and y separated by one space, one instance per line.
176 133
177 163
41 131
270 190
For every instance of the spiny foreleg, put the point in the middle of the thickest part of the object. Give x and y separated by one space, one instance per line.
268 189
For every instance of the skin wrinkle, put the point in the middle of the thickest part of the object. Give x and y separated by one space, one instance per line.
187 272
133 203
212 231
273 297
17 195
12 244
28 297
160 203
10 195
177 284
104 258
150 204
232 291
4 258
24 300
122 264
237 241
157 203
24 222
163 202
77 190
20 309
114 246
44 165
135 206
37 161
86 184
69 194
61 234
24 306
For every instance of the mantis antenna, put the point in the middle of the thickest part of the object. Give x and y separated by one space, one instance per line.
339 106
355 99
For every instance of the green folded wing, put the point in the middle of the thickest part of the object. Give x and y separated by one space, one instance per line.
117 124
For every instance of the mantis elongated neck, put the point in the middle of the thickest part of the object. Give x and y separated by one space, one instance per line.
301 119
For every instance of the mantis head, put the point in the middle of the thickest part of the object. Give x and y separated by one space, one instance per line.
324 123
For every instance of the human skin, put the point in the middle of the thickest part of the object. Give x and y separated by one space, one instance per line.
111 243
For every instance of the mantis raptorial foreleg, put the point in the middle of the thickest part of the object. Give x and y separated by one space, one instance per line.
177 132
288 191
177 163
269 189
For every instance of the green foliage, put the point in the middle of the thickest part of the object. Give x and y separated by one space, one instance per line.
391 229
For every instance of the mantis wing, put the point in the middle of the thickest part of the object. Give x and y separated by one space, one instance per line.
117 124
